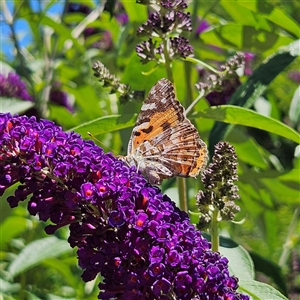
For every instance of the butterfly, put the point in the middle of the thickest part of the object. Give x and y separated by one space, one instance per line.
164 143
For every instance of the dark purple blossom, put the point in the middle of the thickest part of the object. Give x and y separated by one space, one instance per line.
248 57
295 76
147 51
76 7
229 86
60 97
180 47
105 42
219 87
154 24
122 18
161 24
202 27
173 4
125 229
12 86
162 29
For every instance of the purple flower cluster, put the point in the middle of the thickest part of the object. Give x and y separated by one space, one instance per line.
13 86
165 24
229 86
124 228
219 87
162 24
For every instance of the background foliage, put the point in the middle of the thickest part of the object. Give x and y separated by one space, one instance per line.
52 46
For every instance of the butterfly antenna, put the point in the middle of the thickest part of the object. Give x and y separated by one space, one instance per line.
93 137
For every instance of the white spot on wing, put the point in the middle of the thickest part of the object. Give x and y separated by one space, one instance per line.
148 106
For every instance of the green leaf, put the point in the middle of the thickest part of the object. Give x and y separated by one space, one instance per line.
255 86
240 262
244 144
8 288
63 268
270 269
64 32
56 297
257 83
270 222
246 117
11 227
281 192
104 125
109 24
250 197
259 291
228 35
134 74
74 17
65 73
291 179
243 15
137 13
273 13
232 35
88 101
36 252
14 105
62 116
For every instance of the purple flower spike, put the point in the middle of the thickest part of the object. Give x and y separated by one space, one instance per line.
13 86
125 229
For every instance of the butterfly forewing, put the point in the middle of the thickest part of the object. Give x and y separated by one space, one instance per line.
160 111
164 143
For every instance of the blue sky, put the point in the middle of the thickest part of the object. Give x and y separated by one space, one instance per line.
21 27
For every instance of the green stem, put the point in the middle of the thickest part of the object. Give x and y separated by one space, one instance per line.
10 20
214 230
188 84
188 110
194 15
207 66
181 183
168 61
49 60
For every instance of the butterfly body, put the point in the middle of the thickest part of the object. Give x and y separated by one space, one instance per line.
164 143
